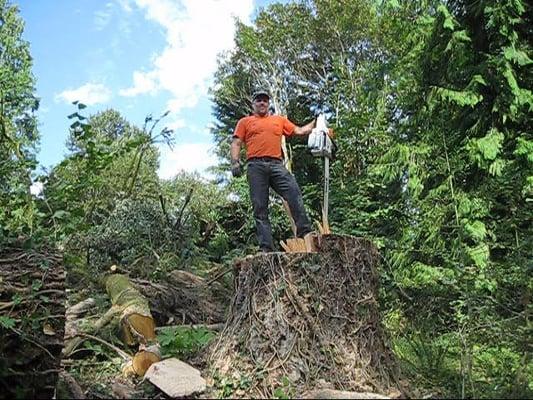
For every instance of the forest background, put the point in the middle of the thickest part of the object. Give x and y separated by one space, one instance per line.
431 102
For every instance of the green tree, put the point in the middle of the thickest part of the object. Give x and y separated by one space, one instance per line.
431 102
110 159
459 152
18 131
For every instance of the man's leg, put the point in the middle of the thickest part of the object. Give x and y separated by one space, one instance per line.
258 176
284 183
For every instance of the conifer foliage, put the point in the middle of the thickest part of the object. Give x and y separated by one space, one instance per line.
432 104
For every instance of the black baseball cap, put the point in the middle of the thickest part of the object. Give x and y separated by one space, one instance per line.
260 92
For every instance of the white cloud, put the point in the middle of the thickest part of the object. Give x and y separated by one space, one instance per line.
176 124
188 157
103 17
88 94
142 83
196 32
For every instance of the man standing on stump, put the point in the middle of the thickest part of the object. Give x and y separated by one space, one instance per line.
261 133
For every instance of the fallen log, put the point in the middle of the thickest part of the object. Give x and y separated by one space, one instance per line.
299 319
135 321
131 312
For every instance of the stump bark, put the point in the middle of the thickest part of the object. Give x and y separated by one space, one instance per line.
299 320
32 309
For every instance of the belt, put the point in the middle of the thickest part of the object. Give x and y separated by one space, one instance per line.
264 159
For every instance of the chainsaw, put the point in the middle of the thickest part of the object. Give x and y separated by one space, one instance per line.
321 145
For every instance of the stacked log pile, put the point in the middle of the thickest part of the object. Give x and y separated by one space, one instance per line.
32 322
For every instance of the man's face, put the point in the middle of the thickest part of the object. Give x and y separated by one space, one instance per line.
261 104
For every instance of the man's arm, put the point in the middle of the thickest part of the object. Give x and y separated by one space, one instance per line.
306 129
235 150
236 169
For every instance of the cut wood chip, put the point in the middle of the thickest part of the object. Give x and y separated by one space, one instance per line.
48 330
176 378
300 245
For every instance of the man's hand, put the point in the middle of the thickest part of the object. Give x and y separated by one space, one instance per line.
236 169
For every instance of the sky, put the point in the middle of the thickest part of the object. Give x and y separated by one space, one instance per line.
139 57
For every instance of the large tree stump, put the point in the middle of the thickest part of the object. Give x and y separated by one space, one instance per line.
298 321
32 309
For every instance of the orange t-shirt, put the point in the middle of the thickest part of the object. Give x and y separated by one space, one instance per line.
262 135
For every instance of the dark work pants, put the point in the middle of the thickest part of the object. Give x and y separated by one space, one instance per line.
263 173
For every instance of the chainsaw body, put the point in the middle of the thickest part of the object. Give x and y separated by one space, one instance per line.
319 142
321 145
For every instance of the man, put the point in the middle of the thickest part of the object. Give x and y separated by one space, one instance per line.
261 133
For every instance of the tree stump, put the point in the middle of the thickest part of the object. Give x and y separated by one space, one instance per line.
299 320
32 313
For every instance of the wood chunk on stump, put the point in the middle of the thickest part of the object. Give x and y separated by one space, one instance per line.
32 303
298 319
307 244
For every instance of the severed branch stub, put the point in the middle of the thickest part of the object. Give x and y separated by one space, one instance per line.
301 320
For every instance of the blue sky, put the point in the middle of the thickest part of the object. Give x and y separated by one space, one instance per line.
139 57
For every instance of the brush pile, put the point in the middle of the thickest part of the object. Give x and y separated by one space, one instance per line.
32 322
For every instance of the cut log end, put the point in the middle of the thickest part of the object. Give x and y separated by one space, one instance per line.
143 360
138 328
